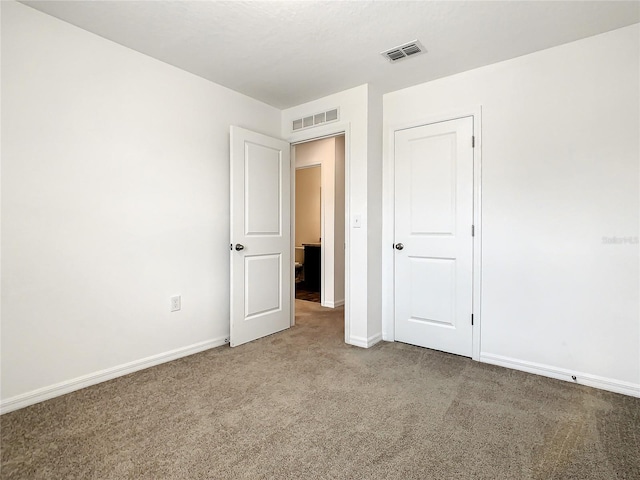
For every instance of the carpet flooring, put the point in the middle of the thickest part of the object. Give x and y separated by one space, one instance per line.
301 404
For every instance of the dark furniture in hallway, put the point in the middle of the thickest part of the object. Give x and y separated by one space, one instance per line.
312 257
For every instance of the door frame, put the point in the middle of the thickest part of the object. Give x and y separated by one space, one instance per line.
388 219
293 221
319 133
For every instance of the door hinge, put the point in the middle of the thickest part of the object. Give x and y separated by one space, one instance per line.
231 246
473 230
472 319
473 142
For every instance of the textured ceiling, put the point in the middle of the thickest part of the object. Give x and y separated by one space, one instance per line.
287 53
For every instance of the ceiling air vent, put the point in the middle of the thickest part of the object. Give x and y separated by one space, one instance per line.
315 119
403 51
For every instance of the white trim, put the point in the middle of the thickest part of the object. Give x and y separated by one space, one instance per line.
68 386
292 233
337 303
477 239
388 234
324 131
388 220
603 383
365 342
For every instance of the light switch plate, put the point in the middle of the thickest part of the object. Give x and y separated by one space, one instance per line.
357 221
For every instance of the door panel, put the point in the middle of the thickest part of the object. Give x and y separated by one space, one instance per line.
263 190
433 200
433 294
433 219
260 236
260 298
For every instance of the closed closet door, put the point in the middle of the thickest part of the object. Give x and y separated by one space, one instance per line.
433 236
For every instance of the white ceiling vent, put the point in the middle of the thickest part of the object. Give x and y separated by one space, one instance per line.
403 51
315 119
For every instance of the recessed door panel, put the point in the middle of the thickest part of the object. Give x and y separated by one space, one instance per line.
263 190
433 292
433 186
262 277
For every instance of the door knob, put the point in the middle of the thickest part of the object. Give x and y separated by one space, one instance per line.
239 246
399 246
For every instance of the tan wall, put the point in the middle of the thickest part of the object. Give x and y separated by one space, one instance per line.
307 205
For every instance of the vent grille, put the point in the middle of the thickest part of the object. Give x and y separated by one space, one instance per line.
315 119
403 51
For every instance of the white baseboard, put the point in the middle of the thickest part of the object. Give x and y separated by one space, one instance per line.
365 342
603 383
68 386
337 303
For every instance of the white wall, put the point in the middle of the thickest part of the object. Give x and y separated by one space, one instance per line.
560 172
115 196
354 121
374 209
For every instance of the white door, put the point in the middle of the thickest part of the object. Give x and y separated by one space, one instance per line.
261 266
433 235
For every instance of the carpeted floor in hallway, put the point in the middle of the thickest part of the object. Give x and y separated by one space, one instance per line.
302 404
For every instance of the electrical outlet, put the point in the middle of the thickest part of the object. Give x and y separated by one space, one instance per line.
176 303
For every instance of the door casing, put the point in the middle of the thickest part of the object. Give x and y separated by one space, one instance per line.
318 133
388 221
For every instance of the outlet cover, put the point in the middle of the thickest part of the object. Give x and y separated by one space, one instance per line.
176 303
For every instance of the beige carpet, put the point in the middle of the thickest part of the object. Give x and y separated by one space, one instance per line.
302 404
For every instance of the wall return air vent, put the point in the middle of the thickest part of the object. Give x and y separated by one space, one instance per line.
403 51
315 119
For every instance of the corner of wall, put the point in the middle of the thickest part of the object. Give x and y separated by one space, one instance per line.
374 211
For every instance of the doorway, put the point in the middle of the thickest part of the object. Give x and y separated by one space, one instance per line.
308 236
319 239
262 233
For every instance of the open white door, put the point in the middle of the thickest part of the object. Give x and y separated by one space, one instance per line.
260 236
433 234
